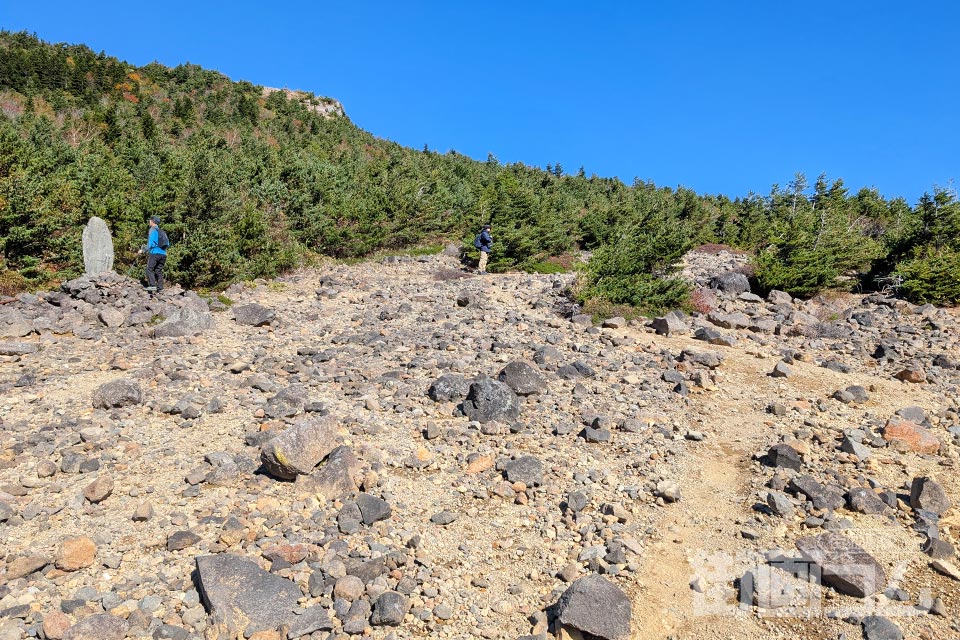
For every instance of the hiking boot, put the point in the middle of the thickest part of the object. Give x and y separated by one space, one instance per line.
150 289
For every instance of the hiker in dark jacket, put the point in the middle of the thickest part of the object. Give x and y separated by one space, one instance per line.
156 256
486 245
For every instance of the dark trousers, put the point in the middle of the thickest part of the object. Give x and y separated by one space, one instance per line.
155 262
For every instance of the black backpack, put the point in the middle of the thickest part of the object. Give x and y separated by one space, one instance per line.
162 240
477 242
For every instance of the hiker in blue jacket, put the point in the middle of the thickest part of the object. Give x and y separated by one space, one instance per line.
486 245
156 256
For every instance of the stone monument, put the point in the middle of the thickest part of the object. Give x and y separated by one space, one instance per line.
97 247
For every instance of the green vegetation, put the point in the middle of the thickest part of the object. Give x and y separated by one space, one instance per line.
250 183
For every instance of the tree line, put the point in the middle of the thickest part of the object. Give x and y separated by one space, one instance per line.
251 183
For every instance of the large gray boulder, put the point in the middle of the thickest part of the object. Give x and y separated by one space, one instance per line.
17 348
117 393
339 475
526 469
843 564
241 597
288 402
489 400
929 495
187 321
101 626
253 315
97 247
670 324
730 282
594 605
300 448
448 387
524 378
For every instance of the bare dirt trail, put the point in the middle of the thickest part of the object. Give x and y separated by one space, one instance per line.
687 590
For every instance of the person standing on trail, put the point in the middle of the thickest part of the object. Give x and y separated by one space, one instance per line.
484 242
156 251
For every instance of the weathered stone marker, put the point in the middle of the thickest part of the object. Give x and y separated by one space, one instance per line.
97 247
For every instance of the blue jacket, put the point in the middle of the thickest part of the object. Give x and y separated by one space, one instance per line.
153 242
486 241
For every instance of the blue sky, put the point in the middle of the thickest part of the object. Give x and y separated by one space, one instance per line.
720 97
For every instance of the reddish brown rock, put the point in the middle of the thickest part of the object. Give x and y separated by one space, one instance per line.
912 374
55 624
76 553
24 566
911 435
99 490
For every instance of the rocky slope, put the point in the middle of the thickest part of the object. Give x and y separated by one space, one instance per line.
400 449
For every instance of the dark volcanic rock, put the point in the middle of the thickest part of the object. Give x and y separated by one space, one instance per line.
594 605
244 597
448 387
117 393
927 494
880 628
372 508
389 609
784 456
490 400
730 282
523 377
300 448
253 315
181 540
102 626
821 496
525 469
865 500
843 564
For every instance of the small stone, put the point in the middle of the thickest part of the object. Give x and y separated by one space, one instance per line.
349 588
784 456
253 315
780 504
595 606
117 393
300 448
781 370
443 611
443 518
372 508
179 540
242 595
844 565
143 512
880 628
98 627
76 553
946 568
55 625
668 490
390 609
911 435
526 469
929 495
24 566
99 490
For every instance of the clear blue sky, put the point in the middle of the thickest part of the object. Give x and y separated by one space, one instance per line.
721 97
